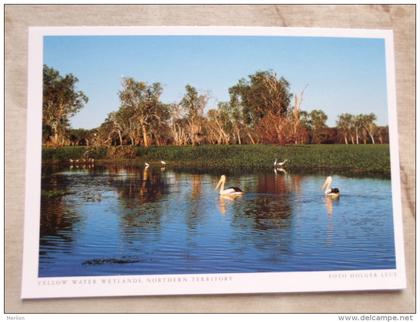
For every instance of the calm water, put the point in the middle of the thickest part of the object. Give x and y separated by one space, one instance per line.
124 220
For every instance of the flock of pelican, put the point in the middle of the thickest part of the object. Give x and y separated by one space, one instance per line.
278 166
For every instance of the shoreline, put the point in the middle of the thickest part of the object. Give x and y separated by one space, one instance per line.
353 160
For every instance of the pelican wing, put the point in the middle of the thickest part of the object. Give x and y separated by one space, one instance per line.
234 189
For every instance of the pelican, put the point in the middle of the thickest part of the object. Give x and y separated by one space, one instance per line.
279 164
163 163
229 191
330 192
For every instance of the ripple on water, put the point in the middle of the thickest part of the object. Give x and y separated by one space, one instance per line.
126 221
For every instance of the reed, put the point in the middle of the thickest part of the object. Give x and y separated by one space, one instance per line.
334 158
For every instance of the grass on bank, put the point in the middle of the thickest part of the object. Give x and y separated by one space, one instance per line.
336 158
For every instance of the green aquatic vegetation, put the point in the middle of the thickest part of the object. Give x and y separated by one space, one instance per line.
334 158
72 152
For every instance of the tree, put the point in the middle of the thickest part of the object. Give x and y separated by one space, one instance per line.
262 94
370 126
193 105
358 126
219 124
61 100
382 134
236 117
239 118
141 109
79 136
177 125
345 125
317 124
299 119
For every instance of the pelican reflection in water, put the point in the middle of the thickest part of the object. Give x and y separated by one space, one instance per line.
329 205
224 201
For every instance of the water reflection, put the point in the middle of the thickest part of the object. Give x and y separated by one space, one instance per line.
108 220
225 201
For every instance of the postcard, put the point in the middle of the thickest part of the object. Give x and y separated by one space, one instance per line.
211 160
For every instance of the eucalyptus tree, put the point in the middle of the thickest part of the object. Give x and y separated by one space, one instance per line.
382 134
159 124
236 117
262 95
299 119
79 136
345 126
219 124
370 126
317 123
177 125
117 125
241 121
358 123
193 105
108 132
142 101
61 100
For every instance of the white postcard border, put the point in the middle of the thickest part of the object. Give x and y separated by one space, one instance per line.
133 285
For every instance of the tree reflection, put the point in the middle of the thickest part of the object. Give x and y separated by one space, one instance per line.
194 209
56 216
265 216
139 190
136 186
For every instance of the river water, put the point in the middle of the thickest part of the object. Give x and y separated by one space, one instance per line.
119 220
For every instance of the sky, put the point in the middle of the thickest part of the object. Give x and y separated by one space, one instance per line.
343 75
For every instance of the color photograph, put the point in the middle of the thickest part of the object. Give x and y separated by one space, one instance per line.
179 156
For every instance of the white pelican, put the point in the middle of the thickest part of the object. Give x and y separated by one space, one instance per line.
163 163
330 192
229 191
279 164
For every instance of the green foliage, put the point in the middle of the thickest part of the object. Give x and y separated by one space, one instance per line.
121 152
61 100
353 159
261 94
72 152
334 158
140 117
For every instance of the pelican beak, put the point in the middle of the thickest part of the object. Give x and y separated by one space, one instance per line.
218 184
326 183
